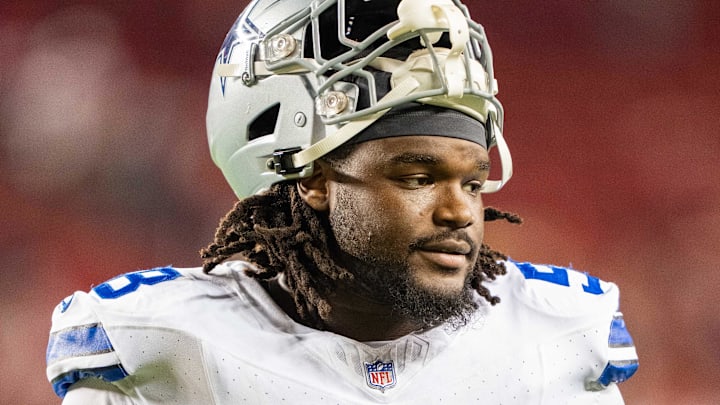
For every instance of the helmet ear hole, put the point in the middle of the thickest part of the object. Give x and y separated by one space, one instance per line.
265 123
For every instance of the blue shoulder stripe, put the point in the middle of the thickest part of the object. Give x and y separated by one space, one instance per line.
619 335
62 383
85 340
624 361
618 371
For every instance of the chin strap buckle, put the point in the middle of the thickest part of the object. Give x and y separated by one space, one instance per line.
282 161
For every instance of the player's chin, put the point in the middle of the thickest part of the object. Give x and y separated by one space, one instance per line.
443 280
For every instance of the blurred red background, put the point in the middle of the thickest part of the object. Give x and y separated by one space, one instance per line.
612 115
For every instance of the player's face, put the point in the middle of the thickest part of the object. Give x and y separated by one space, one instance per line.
408 217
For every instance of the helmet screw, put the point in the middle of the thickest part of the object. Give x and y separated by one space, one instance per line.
280 46
300 119
332 103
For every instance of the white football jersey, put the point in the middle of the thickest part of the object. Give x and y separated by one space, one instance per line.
179 336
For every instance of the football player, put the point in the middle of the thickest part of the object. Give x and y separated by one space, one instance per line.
352 270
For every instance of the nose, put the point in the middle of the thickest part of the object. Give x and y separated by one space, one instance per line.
456 208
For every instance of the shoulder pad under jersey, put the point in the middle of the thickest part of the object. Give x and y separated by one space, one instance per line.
79 346
567 292
564 291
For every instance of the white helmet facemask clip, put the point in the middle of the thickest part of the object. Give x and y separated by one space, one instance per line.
444 16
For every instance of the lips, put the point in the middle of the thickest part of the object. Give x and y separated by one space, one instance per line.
450 246
447 254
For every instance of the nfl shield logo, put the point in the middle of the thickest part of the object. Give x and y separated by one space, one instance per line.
380 375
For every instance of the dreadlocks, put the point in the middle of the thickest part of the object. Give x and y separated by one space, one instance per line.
280 233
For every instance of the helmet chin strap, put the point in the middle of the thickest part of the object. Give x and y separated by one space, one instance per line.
491 186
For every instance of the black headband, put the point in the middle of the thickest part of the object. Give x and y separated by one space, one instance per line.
419 119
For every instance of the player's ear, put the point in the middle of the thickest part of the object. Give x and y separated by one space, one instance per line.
314 189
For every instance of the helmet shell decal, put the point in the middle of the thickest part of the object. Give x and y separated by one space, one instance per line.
242 34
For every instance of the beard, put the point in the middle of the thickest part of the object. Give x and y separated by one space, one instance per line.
429 307
384 274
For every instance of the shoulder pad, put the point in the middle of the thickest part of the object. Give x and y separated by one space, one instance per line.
565 291
79 346
561 292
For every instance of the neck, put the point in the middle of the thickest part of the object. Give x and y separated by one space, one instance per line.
352 315
364 319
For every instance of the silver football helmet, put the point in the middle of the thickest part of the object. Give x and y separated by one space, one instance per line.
295 79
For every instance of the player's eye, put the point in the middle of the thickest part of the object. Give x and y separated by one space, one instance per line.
473 187
417 181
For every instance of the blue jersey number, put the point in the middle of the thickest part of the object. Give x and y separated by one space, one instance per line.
559 276
130 282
